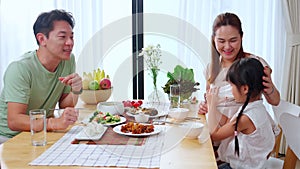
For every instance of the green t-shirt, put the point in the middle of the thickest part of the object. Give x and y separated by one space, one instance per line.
27 81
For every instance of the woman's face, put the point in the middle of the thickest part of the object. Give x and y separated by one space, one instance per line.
228 42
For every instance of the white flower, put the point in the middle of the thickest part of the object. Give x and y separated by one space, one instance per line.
152 56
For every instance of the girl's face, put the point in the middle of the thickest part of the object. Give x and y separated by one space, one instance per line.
239 95
228 42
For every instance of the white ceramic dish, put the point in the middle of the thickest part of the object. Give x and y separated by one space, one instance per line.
122 120
194 129
83 135
179 113
111 107
160 114
141 118
157 129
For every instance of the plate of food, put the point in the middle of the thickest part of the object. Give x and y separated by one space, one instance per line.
137 129
152 112
92 131
106 119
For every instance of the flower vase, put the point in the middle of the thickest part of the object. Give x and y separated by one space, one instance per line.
156 97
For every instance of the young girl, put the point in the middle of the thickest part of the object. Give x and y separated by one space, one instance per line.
247 138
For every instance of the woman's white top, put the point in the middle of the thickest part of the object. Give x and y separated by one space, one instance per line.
255 147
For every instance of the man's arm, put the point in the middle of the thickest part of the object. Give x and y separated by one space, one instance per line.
17 120
71 99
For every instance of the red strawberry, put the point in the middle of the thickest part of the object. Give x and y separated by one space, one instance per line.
132 103
140 102
136 105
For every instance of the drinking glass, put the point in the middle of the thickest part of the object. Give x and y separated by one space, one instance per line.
38 127
175 95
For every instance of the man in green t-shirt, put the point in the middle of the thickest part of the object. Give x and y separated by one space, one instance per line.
43 78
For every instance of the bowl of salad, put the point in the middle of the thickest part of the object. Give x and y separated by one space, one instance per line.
106 118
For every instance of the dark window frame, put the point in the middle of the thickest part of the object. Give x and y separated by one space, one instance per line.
137 45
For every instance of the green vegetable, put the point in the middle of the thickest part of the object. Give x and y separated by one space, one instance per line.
184 77
105 118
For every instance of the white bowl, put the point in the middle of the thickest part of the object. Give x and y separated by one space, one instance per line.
194 129
111 107
141 118
95 96
178 113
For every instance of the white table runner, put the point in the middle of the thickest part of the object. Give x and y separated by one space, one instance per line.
63 153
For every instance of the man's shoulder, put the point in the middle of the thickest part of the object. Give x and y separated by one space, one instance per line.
23 61
26 57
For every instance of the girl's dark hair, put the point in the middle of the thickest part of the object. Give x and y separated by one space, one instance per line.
223 19
44 22
246 71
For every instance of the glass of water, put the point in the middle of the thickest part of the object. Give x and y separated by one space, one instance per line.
38 127
175 95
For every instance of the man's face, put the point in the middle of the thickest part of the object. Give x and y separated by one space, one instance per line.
60 41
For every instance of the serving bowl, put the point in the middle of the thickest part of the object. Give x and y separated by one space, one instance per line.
178 114
141 118
113 108
194 129
95 96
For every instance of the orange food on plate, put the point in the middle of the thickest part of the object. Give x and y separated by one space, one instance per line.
137 128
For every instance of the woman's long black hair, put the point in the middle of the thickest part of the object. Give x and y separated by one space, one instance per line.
246 71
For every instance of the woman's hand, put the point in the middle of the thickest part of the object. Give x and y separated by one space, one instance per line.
270 92
267 81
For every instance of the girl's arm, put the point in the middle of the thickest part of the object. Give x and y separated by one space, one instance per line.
245 126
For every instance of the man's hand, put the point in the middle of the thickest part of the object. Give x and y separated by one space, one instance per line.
74 80
68 117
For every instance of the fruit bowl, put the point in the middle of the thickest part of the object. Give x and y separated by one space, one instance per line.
95 96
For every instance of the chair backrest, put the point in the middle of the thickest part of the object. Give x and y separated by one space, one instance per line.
288 115
290 125
286 107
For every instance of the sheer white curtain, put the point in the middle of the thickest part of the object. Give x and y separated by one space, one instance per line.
109 21
291 80
18 17
262 22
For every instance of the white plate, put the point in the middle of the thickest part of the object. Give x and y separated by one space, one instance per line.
83 136
122 120
159 114
157 129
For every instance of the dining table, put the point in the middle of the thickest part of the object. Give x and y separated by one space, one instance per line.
197 153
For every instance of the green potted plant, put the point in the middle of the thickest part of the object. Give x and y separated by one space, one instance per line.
184 77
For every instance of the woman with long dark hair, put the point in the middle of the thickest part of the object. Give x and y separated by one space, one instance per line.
226 47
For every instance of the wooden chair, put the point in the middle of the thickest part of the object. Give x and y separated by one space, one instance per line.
289 120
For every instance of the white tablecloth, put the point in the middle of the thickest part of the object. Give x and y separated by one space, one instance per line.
63 153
